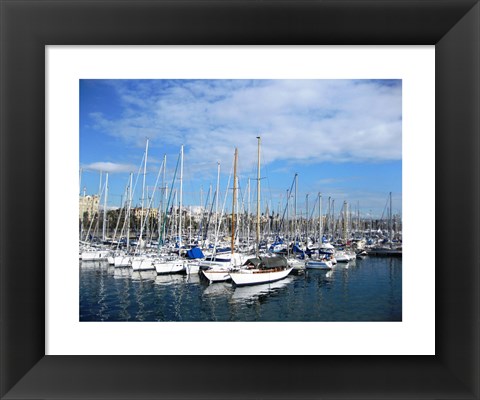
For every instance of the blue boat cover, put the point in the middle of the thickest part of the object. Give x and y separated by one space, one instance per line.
296 249
195 252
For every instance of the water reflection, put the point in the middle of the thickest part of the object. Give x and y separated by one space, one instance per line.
140 295
122 273
366 290
123 295
93 264
321 278
144 275
218 289
193 279
254 292
169 279
102 314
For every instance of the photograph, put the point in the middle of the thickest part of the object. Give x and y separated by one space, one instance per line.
237 200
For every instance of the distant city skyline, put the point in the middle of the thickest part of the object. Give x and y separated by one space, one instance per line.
342 137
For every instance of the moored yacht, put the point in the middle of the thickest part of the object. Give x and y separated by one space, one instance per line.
261 270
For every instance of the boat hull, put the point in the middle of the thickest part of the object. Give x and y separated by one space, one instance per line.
122 261
95 255
254 277
192 268
312 264
219 275
297 265
169 267
142 264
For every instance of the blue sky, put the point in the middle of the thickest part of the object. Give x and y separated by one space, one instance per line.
342 137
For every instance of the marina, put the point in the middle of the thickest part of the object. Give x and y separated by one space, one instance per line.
240 240
165 275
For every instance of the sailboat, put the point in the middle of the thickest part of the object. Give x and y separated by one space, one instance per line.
123 258
219 268
173 265
386 248
143 261
320 259
260 269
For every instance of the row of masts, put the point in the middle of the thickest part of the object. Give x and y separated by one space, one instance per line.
297 226
200 226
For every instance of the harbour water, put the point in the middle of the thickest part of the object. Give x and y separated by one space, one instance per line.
368 289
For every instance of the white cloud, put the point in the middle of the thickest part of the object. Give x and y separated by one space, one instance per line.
109 167
298 120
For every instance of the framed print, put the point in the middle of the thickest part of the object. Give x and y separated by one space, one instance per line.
222 309
28 371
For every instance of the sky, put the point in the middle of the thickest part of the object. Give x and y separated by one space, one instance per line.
342 137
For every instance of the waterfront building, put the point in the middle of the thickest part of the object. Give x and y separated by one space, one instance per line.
88 204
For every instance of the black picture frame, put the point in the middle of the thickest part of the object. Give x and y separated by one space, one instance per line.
453 26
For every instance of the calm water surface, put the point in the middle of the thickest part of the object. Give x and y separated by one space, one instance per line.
366 290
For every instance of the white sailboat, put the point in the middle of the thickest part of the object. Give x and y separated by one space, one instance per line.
342 256
219 271
193 260
121 258
219 267
173 265
319 263
261 269
142 262
319 260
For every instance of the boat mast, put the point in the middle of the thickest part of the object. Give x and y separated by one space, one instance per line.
209 213
248 215
143 188
105 208
217 193
306 218
163 201
320 218
390 221
358 219
173 224
334 228
295 209
128 209
288 216
160 203
239 221
180 200
97 214
190 224
234 199
327 221
258 198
